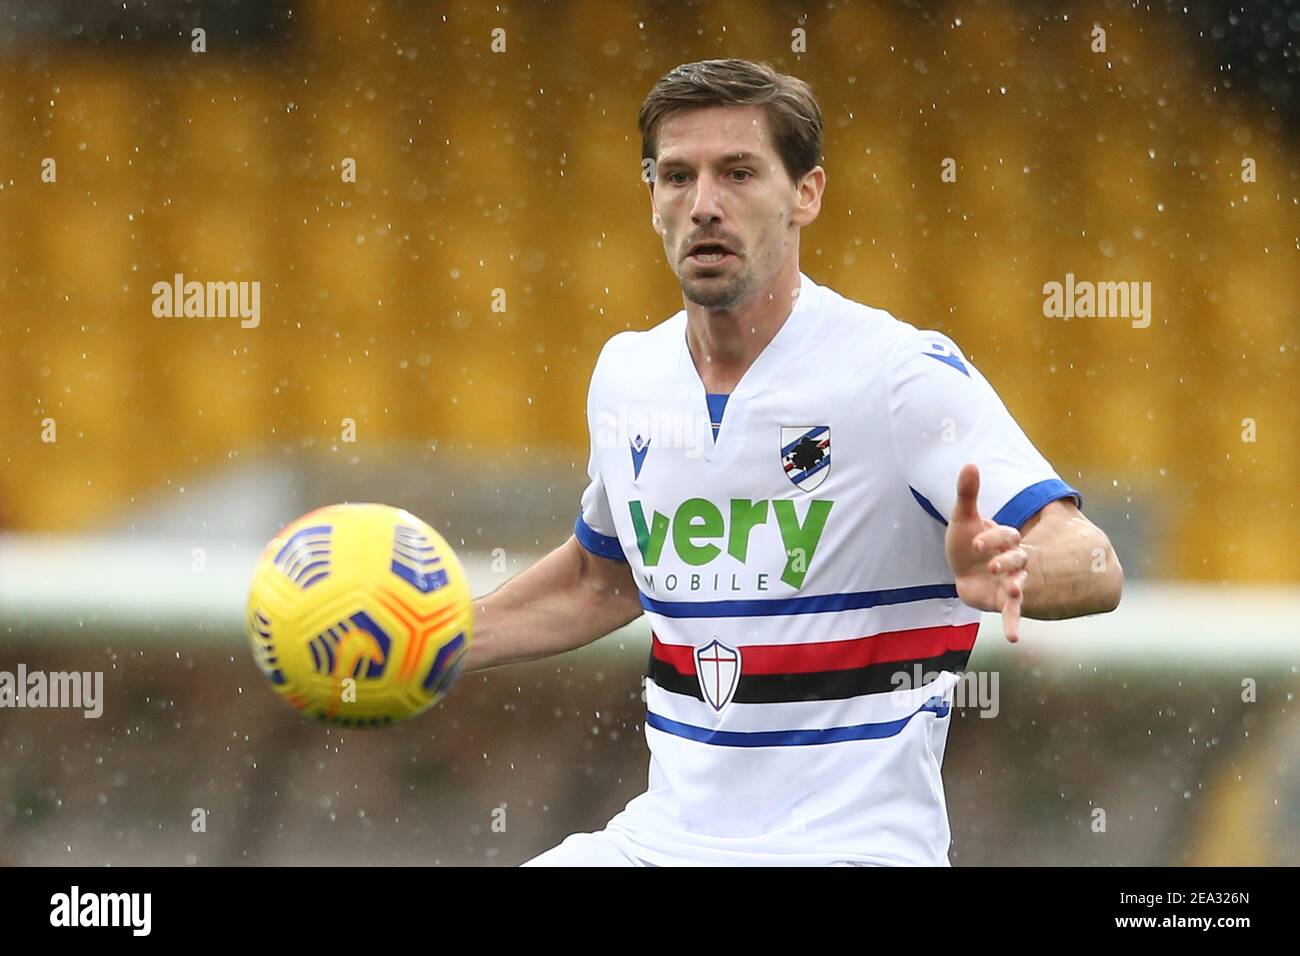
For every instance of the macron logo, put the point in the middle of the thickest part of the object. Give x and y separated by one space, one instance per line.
945 355
639 449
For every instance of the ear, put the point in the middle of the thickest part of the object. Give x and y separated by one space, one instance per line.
808 202
655 221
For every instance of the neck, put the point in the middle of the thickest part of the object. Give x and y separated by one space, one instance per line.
725 342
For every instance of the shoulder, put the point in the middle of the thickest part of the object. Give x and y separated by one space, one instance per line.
880 340
629 354
855 323
625 346
929 351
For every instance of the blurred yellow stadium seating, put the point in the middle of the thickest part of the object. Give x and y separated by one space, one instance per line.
520 172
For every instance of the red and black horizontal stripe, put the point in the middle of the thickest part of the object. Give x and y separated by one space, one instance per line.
823 670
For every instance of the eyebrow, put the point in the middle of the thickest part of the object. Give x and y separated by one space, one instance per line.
741 157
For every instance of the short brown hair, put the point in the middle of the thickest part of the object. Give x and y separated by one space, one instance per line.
793 116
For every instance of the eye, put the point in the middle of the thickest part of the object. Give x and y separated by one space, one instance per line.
671 178
743 173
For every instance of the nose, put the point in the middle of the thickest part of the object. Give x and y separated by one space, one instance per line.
706 207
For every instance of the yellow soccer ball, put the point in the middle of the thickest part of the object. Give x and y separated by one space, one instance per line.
359 615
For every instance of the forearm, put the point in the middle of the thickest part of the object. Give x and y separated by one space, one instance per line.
1073 570
563 602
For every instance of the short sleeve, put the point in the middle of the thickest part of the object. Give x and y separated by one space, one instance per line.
594 528
942 414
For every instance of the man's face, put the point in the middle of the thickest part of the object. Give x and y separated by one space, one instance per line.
718 178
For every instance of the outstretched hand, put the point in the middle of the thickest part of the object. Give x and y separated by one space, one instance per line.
988 559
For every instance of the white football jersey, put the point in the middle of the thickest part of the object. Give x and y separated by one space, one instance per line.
792 570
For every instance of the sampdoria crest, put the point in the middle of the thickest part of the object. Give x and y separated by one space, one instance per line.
806 454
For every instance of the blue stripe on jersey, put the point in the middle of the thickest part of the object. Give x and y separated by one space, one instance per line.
1027 504
601 545
811 433
792 738
824 463
717 405
929 509
1020 508
806 604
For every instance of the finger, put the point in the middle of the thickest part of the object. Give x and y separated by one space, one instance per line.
1012 605
997 538
1009 562
968 489
1011 618
1014 585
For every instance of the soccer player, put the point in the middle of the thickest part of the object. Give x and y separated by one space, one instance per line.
808 498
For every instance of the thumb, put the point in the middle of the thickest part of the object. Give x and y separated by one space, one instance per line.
968 490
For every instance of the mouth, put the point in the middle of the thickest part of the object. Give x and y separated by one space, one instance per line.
709 253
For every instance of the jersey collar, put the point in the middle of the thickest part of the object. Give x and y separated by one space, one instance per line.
760 375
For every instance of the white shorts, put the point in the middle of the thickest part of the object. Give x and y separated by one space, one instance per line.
602 848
